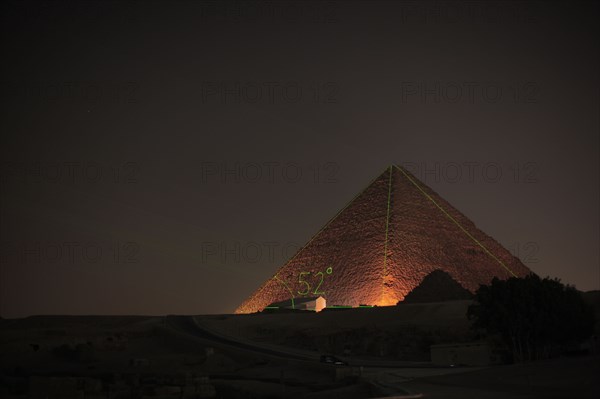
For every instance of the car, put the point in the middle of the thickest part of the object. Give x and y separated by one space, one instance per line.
330 359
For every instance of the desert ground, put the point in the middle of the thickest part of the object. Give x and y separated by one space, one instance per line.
269 355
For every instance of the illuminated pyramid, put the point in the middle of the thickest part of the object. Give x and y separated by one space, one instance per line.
383 244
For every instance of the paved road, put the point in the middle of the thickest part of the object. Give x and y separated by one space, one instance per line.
187 325
390 386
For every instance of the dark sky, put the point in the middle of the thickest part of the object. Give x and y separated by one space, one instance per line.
167 157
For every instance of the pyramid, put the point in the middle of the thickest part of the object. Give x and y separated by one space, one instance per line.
383 244
437 286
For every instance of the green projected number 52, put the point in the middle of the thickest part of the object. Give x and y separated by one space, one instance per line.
307 287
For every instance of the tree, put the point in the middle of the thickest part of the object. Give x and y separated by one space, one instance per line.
535 317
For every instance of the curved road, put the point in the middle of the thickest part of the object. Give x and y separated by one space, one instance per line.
187 325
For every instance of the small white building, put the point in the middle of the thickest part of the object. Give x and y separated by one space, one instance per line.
315 304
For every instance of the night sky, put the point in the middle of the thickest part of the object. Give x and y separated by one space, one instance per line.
168 157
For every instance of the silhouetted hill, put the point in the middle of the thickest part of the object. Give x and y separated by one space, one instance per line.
437 286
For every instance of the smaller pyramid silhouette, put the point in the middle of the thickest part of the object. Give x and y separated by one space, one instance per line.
382 244
437 286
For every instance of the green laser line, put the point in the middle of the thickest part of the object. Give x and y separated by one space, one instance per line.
330 221
288 288
456 222
387 222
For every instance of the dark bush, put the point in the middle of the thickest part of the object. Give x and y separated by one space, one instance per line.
537 318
